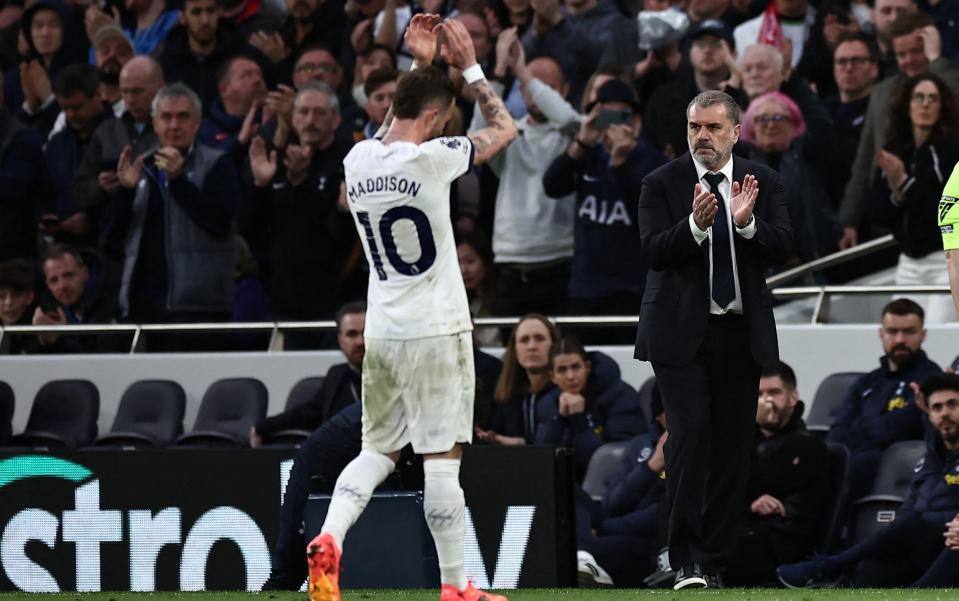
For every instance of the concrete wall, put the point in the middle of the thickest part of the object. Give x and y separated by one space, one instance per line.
813 351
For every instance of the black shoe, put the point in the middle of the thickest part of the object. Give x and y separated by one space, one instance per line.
714 580
689 577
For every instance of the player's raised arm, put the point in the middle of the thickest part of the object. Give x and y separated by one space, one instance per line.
420 39
458 51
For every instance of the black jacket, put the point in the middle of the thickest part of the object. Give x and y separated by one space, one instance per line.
607 255
182 64
302 237
23 187
63 154
675 308
100 304
914 222
341 388
664 120
790 466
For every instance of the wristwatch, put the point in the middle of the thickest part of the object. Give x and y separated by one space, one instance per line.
745 225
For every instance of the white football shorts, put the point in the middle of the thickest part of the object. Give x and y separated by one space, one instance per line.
418 391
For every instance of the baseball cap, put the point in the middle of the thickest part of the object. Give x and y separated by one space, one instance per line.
713 27
109 31
615 90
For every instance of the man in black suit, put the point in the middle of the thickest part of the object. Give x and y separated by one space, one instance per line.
710 223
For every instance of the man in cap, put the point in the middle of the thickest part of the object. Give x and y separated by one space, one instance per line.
711 49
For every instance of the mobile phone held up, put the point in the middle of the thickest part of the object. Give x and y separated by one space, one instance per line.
609 117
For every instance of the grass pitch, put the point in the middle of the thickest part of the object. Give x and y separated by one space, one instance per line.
530 595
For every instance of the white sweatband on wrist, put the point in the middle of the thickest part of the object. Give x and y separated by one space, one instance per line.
473 74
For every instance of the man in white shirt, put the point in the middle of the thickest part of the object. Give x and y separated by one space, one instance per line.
418 378
532 233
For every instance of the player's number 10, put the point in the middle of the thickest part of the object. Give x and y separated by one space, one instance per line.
423 231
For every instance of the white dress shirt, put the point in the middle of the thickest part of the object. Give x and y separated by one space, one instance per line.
725 189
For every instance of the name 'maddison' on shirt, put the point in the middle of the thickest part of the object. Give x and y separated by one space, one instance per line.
384 183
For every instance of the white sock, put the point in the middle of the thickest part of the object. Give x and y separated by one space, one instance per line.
445 508
352 492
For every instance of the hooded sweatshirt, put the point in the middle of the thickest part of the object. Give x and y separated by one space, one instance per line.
70 51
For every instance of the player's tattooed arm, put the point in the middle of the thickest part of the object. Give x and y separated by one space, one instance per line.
500 129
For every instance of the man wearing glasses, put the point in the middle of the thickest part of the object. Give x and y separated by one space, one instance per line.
855 69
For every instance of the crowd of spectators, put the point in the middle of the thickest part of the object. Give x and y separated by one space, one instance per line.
186 146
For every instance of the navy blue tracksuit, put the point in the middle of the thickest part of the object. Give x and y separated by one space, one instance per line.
879 410
911 549
613 413
626 521
607 258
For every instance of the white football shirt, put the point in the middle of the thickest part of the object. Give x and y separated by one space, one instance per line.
399 195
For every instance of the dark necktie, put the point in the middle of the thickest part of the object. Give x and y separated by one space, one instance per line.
724 288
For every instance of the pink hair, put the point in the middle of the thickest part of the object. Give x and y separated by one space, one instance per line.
799 124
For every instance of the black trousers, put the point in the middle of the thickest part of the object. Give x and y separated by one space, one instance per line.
521 290
621 303
710 407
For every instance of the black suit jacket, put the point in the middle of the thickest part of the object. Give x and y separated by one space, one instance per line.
675 307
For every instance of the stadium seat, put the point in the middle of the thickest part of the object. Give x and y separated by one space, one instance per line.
303 391
150 415
897 466
228 410
829 529
64 415
603 466
6 412
646 397
829 397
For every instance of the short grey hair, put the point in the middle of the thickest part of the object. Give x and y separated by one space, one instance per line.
177 90
322 87
772 53
714 97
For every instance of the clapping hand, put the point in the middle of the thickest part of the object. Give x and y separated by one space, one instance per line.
250 126
129 170
931 42
262 165
297 163
504 46
270 44
743 200
35 83
893 170
705 207
421 36
457 49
